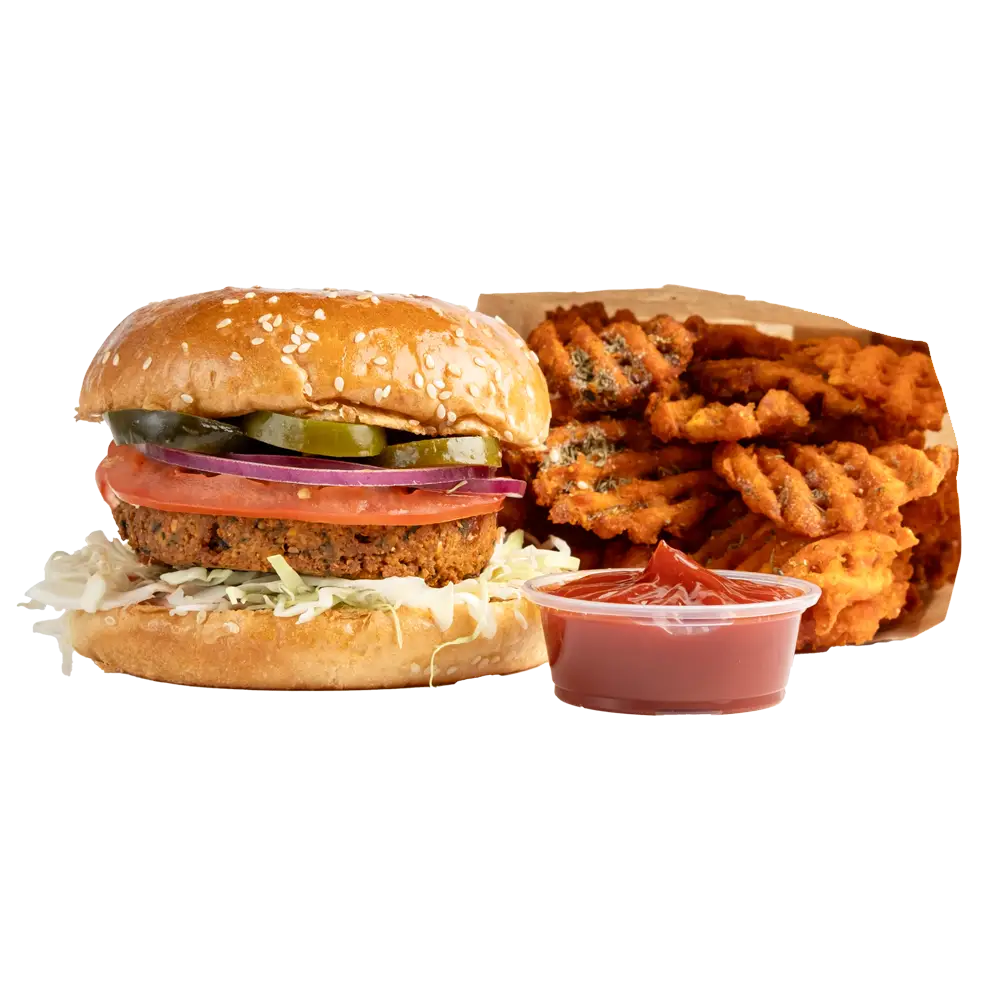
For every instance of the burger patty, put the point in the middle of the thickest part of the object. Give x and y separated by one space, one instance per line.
440 553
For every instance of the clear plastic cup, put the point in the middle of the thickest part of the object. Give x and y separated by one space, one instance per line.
654 660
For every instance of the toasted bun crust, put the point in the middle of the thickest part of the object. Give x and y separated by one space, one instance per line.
399 361
338 650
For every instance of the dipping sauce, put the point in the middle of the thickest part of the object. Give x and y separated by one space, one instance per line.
670 579
673 637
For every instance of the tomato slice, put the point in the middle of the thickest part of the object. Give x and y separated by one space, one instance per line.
126 474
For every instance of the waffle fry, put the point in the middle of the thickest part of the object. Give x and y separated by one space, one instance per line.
693 419
608 477
822 491
751 378
593 369
936 521
904 387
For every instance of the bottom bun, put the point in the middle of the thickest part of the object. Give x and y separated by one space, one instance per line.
338 650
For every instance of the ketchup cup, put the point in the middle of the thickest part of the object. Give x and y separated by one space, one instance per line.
654 659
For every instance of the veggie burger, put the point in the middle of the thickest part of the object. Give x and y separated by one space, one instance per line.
306 485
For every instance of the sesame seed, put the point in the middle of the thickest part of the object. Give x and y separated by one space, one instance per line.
107 355
265 317
222 323
460 333
444 395
307 389
452 416
473 390
288 349
312 336
437 310
147 363
441 411
358 337
273 299
432 391
380 360
473 323
285 359
304 347
338 384
186 398
365 295
439 382
418 380
453 370
378 395
375 300
250 295
231 627
257 340
236 356
480 362
304 493
114 360
507 436
386 391
533 356
581 485
277 320
184 346
429 360
296 339
499 320
268 327
230 302
319 314
297 329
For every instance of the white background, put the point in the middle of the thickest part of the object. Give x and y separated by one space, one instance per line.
487 840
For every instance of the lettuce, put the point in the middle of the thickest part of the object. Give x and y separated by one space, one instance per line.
105 574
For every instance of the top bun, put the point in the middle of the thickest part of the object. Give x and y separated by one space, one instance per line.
407 362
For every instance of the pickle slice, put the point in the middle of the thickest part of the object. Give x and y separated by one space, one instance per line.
315 437
175 430
428 452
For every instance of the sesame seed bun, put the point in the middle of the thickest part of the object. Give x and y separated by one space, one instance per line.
405 362
339 650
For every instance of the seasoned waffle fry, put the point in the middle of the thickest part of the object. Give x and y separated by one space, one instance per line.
673 341
608 477
905 388
640 508
752 377
609 368
693 419
822 491
936 521
851 568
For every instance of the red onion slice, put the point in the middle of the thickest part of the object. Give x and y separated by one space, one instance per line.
497 486
324 472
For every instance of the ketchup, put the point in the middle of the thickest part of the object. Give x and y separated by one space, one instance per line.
670 579
661 661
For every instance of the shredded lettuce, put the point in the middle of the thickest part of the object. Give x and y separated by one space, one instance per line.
106 574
